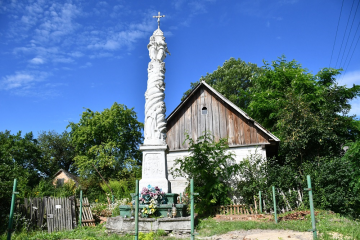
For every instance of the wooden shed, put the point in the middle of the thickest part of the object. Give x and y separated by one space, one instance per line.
205 109
62 176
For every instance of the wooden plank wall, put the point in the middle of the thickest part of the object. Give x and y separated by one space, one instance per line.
221 120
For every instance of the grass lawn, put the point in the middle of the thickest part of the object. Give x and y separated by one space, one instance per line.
327 223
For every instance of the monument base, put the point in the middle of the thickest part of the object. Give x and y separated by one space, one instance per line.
162 210
121 225
154 171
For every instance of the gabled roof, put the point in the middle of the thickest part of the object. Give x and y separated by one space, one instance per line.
69 175
227 101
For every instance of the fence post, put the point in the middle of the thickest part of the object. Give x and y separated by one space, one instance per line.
311 207
275 212
137 210
80 214
260 205
12 209
192 194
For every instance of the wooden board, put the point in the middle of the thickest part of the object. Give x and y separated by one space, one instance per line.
215 118
194 119
202 117
209 114
230 127
182 128
222 120
59 214
87 216
188 122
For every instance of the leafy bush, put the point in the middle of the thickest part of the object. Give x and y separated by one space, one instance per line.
212 169
333 181
120 188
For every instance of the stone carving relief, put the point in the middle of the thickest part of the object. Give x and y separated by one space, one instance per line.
153 166
155 123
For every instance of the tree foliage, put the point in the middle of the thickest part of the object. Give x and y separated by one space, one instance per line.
57 152
108 140
232 80
309 113
17 157
212 169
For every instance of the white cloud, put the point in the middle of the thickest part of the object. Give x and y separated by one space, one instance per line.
21 80
355 108
63 60
37 60
30 83
76 54
349 79
86 65
111 45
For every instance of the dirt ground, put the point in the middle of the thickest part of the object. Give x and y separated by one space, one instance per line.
257 234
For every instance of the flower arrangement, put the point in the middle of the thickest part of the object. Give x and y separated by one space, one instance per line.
151 209
151 196
152 193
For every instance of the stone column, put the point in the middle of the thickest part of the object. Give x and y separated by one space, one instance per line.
154 167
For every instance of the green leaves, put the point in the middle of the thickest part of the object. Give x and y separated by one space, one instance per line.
212 169
108 140
232 80
309 113
57 151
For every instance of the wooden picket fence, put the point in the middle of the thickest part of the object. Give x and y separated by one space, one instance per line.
34 209
234 210
60 214
56 214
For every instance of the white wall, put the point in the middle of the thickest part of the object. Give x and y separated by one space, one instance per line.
179 184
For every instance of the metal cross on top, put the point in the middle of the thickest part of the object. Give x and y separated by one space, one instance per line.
158 18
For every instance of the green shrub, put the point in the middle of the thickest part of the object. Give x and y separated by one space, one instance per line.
120 188
212 169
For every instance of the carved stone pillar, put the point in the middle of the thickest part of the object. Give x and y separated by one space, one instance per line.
154 166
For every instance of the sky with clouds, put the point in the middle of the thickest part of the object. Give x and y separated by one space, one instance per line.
59 57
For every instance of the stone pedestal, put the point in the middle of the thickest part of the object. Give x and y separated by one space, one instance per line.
154 167
122 225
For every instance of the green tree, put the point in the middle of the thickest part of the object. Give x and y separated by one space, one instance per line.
57 152
212 169
108 140
232 80
307 112
17 157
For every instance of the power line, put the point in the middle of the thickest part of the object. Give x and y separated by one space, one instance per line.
344 34
351 44
336 33
349 34
351 56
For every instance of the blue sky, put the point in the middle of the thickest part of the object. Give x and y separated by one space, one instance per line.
59 57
